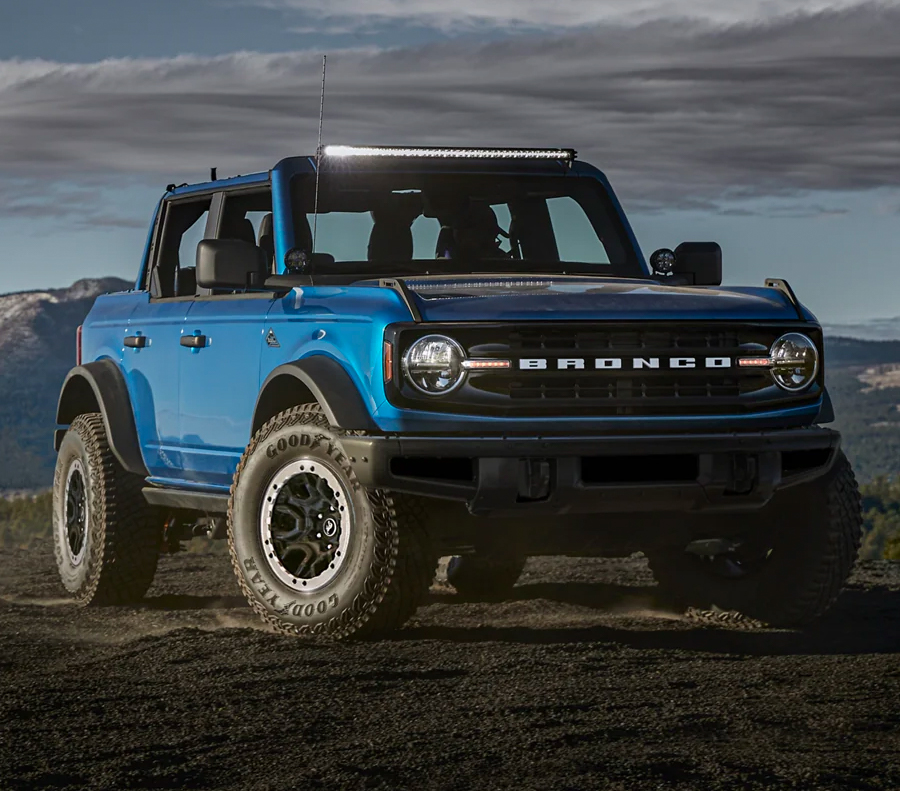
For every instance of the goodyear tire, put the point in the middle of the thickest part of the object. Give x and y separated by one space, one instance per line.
106 537
814 543
314 551
489 577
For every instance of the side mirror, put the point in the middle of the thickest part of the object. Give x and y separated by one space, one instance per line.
701 261
691 263
230 263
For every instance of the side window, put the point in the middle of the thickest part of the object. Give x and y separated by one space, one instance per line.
247 216
187 250
575 236
184 225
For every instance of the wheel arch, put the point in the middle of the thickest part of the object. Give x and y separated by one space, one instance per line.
100 387
315 379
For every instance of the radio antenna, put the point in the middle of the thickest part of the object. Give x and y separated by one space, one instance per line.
319 155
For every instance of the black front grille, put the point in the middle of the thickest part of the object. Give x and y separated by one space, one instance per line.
643 383
646 340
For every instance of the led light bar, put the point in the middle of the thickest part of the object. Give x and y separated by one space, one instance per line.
755 362
565 154
475 365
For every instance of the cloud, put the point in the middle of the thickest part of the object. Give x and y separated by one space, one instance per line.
677 113
72 206
465 15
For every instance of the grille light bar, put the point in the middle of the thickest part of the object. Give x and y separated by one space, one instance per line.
565 154
755 362
476 365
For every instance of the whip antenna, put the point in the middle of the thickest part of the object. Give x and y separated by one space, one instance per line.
319 155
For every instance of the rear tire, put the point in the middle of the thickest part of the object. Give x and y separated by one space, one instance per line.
106 537
816 537
487 577
362 573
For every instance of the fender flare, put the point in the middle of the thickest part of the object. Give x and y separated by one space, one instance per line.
327 382
100 386
826 411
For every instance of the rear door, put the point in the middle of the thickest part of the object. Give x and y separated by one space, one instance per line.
220 379
152 339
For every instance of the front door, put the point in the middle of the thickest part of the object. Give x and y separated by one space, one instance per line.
219 372
219 384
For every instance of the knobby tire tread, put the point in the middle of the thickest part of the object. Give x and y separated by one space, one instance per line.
393 588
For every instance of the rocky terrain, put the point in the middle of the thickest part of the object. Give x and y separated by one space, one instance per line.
578 681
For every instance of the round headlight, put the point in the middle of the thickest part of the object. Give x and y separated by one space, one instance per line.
795 361
433 365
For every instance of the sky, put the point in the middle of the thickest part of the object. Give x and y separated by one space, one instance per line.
770 126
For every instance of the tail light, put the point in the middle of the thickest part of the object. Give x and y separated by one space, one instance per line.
78 345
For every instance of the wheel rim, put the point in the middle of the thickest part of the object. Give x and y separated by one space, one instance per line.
76 517
305 524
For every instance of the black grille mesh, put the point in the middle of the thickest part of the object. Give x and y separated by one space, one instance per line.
625 391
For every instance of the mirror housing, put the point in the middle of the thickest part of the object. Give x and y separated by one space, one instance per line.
699 262
230 263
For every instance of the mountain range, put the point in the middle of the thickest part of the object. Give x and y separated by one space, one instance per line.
872 330
37 349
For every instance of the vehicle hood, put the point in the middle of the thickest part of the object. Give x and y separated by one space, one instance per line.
502 298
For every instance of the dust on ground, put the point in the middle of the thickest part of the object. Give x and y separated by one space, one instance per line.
579 680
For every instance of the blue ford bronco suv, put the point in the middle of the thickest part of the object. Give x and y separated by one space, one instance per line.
362 361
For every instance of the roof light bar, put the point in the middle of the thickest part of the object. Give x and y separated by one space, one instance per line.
565 154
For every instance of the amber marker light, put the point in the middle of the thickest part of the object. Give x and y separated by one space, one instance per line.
387 356
755 362
480 365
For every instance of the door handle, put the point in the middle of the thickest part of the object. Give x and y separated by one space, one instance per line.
193 341
136 341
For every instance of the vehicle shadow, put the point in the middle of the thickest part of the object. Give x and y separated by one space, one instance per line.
862 621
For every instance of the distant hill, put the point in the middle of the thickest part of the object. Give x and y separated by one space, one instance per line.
37 349
860 375
874 330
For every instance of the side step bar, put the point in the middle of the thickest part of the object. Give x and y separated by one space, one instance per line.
207 502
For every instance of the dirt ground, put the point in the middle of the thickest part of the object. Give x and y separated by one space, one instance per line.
579 681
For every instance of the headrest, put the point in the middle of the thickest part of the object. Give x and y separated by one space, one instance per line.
391 238
471 233
240 229
266 228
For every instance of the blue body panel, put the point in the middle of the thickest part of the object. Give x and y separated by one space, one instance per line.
152 377
219 385
194 407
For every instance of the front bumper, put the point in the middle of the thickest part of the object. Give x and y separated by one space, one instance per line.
510 475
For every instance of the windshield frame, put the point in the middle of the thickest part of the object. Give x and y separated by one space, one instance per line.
626 260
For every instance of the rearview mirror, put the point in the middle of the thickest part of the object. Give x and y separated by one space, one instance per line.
691 263
230 263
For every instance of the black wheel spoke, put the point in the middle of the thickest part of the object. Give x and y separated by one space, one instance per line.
297 526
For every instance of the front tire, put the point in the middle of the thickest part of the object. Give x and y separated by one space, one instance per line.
106 536
799 572
314 551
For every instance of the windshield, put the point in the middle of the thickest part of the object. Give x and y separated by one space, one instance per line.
389 224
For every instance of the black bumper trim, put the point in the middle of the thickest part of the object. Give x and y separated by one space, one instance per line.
737 471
